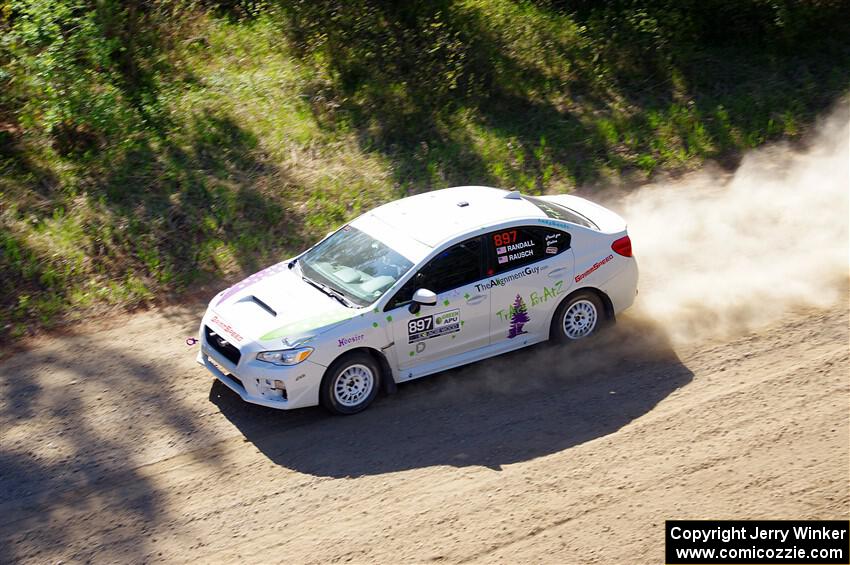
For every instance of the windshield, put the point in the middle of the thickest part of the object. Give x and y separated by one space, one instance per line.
355 264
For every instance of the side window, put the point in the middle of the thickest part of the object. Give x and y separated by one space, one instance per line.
512 248
456 266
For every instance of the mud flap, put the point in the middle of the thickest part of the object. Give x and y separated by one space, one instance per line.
388 385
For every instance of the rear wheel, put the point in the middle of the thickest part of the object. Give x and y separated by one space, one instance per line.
350 383
577 317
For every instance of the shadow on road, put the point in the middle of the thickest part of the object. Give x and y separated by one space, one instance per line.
74 425
503 410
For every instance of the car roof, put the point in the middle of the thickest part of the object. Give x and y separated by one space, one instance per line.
434 217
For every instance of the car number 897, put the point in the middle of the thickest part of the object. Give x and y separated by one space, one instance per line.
420 325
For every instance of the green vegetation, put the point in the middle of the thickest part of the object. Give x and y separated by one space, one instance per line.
147 146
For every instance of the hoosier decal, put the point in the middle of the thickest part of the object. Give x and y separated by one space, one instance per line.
343 341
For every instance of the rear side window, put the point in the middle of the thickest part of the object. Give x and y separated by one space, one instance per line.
457 266
515 247
558 212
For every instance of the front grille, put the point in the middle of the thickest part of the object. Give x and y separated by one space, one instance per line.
230 352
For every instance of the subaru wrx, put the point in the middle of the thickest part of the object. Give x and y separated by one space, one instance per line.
417 286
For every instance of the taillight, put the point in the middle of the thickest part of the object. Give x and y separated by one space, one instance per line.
623 246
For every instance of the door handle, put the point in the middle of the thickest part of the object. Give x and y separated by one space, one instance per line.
477 299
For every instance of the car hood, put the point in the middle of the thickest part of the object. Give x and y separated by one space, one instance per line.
277 305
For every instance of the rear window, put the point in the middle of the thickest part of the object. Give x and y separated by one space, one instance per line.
558 212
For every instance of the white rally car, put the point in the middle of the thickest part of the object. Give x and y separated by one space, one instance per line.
414 287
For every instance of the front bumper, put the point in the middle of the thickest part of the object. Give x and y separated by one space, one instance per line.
236 385
254 381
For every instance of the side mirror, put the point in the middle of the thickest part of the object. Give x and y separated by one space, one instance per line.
422 297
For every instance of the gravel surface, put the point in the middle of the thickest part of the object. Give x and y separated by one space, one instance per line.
116 447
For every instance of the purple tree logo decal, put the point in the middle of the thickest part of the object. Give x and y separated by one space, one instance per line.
519 317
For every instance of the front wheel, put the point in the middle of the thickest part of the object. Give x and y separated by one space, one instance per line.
577 317
350 384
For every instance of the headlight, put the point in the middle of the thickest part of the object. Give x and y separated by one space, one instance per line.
285 356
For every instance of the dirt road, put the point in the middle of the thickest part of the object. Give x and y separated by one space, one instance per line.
116 447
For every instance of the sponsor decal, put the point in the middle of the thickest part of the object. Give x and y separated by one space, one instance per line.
345 341
552 238
501 250
501 281
548 293
519 317
536 297
420 347
253 279
228 329
432 326
553 223
595 266
551 250
299 377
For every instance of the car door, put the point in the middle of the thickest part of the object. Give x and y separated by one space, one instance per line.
533 268
459 322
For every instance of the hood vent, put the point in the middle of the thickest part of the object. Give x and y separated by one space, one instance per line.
264 306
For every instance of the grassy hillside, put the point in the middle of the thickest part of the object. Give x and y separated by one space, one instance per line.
145 147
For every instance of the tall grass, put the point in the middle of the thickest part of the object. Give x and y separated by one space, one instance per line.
148 147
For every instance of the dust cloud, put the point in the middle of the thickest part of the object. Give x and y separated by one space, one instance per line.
719 254
722 253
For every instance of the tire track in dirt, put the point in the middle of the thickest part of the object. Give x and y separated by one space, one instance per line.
477 465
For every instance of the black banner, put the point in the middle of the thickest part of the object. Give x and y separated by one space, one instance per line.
757 542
